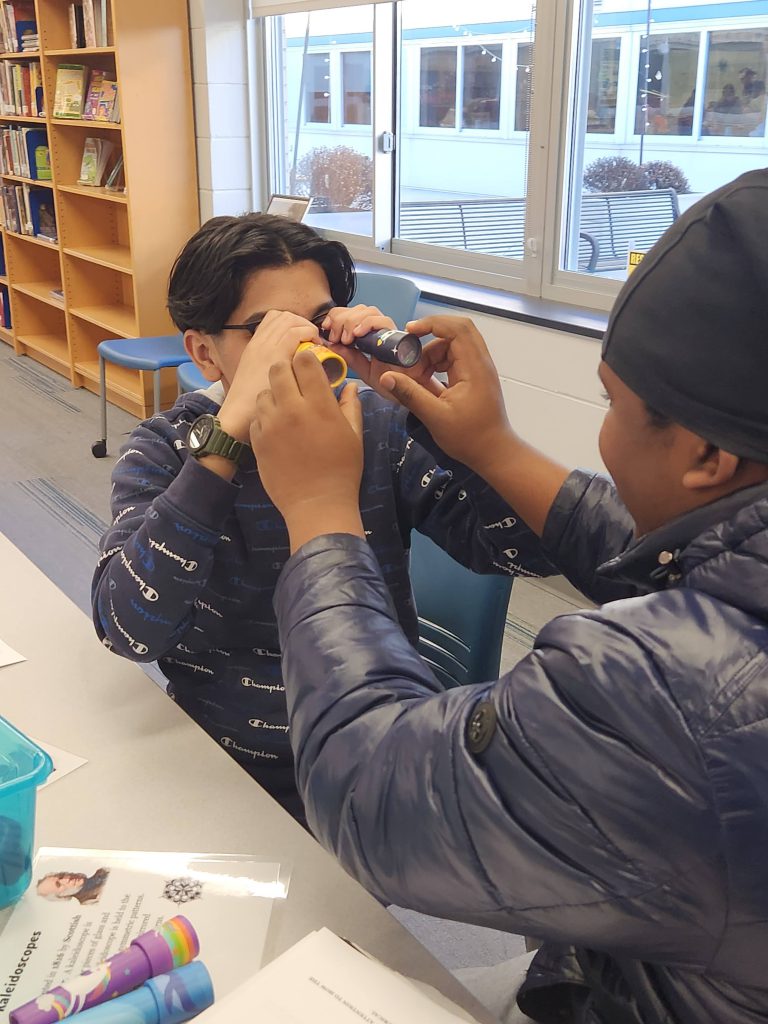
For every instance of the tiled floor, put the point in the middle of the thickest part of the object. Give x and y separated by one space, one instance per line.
54 505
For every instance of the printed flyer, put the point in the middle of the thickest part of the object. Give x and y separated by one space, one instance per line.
83 906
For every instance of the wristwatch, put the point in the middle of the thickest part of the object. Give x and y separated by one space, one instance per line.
207 438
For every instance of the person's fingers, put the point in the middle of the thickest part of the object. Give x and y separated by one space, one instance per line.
355 360
414 396
349 403
437 353
311 380
283 382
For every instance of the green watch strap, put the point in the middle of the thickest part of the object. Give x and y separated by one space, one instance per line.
223 444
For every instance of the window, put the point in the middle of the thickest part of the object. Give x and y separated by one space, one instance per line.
666 84
356 86
603 86
481 86
423 132
437 91
320 104
737 69
684 114
523 87
463 188
317 91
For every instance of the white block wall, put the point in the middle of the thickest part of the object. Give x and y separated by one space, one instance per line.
552 392
220 73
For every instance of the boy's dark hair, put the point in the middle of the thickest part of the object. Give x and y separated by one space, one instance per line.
207 279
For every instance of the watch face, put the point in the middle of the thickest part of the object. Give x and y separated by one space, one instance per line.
200 432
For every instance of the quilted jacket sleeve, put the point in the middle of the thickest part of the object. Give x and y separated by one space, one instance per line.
547 830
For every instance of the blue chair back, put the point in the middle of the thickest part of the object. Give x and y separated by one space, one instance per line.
461 615
394 296
190 378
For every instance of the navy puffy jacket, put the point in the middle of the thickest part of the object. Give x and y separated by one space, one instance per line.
609 795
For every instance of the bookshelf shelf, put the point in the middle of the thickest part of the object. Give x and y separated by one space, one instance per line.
94 193
41 290
119 378
79 122
53 347
115 257
6 335
32 239
22 118
81 51
117 320
115 249
27 181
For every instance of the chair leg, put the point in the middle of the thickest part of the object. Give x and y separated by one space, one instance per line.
156 383
99 448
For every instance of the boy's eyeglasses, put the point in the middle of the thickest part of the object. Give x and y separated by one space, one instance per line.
254 325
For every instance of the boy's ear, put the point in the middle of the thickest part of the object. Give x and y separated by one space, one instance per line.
714 468
202 351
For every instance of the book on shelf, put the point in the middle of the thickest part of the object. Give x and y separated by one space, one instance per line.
89 24
5 307
96 154
107 106
103 22
58 294
21 89
40 161
2 259
28 210
25 152
101 103
42 214
116 180
70 90
95 87
17 21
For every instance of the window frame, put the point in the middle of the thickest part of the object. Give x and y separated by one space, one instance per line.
559 77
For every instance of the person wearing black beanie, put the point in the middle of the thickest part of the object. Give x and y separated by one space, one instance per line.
609 795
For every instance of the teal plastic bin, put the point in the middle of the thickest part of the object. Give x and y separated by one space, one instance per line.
23 767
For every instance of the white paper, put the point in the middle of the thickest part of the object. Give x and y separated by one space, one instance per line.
63 761
324 980
227 898
8 656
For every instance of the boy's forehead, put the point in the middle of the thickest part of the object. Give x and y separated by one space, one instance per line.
300 288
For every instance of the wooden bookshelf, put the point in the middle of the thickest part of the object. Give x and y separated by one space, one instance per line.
115 249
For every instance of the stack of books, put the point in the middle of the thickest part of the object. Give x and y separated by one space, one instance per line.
28 210
18 28
21 89
25 153
89 23
77 96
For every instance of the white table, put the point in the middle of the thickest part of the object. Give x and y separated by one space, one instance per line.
171 787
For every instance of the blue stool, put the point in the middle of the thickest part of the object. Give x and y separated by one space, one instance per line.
153 354
190 378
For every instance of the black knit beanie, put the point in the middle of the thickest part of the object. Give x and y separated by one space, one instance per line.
689 330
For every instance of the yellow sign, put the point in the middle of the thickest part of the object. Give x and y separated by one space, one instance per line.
634 258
